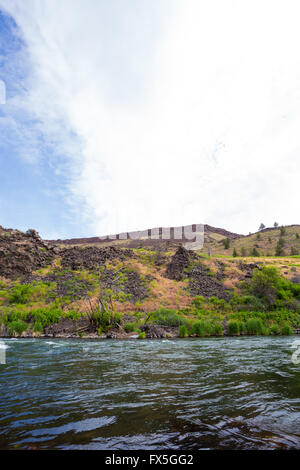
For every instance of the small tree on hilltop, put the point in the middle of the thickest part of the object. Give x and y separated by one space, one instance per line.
282 231
276 224
262 226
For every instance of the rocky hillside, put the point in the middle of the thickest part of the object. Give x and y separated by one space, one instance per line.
97 289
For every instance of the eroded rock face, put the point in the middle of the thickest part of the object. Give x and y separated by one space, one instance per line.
202 283
154 331
91 257
68 327
179 262
248 268
21 253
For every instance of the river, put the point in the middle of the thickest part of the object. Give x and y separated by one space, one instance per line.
214 393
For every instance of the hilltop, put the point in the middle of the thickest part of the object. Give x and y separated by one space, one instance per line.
274 241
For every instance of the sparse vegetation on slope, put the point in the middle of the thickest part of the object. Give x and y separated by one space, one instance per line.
162 292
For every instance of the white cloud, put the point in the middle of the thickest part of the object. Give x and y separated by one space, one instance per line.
187 112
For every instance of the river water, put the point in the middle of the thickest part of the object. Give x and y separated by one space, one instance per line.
214 393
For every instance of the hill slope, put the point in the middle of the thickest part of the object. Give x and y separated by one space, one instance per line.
97 290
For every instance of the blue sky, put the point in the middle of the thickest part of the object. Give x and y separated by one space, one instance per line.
124 115
30 194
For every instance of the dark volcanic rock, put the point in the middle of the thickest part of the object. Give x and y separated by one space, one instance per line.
179 262
202 283
91 257
221 271
68 327
154 331
248 268
21 253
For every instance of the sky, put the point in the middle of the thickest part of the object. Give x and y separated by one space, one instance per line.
132 114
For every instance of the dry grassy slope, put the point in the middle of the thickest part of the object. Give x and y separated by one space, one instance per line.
162 291
265 242
173 294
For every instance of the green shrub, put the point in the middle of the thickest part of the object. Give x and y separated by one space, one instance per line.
242 327
131 326
102 319
182 331
99 331
286 330
142 335
38 327
19 294
167 317
226 243
117 318
17 326
202 328
274 329
198 301
233 327
268 286
73 315
265 331
255 252
254 326
217 329
46 316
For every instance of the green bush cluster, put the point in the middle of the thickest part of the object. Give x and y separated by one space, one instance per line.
167 317
17 326
269 287
202 328
182 331
24 293
254 326
286 330
130 327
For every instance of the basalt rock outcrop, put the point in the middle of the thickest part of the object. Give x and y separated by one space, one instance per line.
202 282
179 262
21 253
91 257
185 264
248 268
